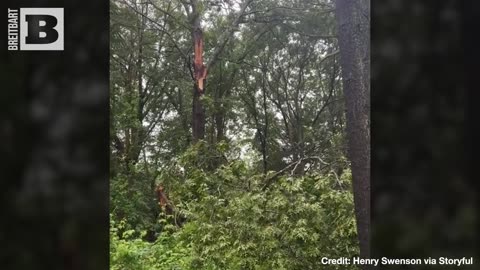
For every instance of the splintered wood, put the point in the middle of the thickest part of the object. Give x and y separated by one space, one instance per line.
199 68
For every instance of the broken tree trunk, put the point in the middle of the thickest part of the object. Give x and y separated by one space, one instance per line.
200 74
200 70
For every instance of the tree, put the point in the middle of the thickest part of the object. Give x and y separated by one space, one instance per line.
266 183
194 10
353 22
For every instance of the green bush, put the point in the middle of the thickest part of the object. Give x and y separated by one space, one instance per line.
234 223
128 252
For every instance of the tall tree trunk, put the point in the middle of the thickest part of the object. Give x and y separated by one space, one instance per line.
200 73
138 133
353 20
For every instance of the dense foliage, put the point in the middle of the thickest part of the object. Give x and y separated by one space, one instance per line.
269 186
233 224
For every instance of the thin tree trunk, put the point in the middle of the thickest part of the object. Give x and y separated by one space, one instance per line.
220 125
265 129
219 115
353 20
138 133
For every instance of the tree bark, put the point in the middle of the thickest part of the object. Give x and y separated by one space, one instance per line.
198 117
200 73
353 21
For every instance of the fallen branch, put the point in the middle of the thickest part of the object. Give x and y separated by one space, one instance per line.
270 180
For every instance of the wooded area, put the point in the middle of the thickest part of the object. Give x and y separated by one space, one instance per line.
236 127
